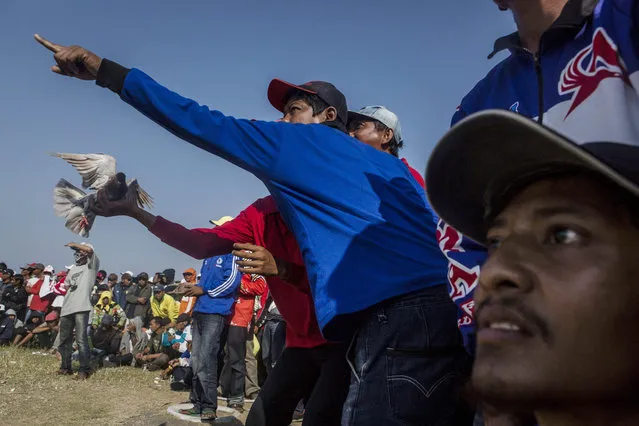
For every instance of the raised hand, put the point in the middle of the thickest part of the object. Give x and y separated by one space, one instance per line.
72 61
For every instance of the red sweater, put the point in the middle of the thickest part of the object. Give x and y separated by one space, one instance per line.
259 224
38 304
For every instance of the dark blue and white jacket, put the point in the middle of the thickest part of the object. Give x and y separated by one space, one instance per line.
584 83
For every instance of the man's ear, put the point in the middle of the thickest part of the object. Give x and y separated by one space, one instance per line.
387 136
330 114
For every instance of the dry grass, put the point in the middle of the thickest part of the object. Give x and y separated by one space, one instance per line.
31 393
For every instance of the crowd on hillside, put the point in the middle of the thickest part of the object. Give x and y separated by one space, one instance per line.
143 321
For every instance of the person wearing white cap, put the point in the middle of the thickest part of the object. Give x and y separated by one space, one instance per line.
379 127
76 308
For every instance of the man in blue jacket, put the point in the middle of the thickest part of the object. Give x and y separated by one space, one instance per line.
216 293
348 205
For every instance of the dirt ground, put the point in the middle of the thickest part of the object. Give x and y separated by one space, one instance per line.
31 393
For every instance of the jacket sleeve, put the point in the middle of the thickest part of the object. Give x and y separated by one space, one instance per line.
251 145
252 285
174 309
197 243
230 275
96 316
121 315
155 308
131 298
465 258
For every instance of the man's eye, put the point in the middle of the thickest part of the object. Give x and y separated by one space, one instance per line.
564 235
493 243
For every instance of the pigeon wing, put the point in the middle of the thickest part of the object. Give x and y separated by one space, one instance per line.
95 169
139 195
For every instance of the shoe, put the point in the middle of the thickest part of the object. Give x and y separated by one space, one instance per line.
81 376
208 415
298 415
237 406
190 411
64 372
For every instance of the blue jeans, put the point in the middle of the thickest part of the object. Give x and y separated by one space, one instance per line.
408 364
207 330
68 323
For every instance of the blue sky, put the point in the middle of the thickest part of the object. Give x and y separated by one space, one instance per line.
416 57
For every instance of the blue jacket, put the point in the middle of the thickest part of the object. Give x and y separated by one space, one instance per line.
362 222
220 281
583 83
119 295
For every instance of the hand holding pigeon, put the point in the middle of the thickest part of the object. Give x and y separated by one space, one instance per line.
98 173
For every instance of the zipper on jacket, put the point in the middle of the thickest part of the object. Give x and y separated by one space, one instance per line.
540 88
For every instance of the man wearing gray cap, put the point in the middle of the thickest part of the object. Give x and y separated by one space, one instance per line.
379 127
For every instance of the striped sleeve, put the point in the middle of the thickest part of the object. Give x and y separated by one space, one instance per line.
231 274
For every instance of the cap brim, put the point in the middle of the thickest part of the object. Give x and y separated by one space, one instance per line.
352 115
491 151
278 91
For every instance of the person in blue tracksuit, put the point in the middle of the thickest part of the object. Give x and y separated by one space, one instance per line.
216 292
364 227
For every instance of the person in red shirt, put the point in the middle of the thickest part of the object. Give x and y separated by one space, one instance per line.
36 303
232 379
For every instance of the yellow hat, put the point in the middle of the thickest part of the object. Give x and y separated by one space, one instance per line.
221 221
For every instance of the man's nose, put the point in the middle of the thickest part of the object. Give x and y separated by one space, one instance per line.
506 270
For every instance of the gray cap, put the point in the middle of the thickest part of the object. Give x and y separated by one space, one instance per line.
11 312
382 114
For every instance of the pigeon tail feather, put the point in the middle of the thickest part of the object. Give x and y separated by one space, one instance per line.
69 202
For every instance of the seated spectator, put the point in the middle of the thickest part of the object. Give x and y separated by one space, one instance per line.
130 346
163 305
44 333
32 324
106 339
6 326
180 370
15 296
11 314
154 357
182 333
106 306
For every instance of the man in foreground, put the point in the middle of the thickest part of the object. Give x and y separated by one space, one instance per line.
559 221
74 315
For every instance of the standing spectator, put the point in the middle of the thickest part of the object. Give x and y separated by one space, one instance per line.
7 325
187 303
15 296
76 308
106 306
153 357
35 303
233 377
6 277
163 305
137 302
112 280
120 289
216 293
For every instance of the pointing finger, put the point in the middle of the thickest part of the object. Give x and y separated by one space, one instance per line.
48 44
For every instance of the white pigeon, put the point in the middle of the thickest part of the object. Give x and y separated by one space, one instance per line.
98 172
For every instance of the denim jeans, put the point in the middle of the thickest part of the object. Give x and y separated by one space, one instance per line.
207 330
408 364
233 377
273 343
77 322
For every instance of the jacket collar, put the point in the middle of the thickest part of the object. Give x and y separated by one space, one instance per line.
572 18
